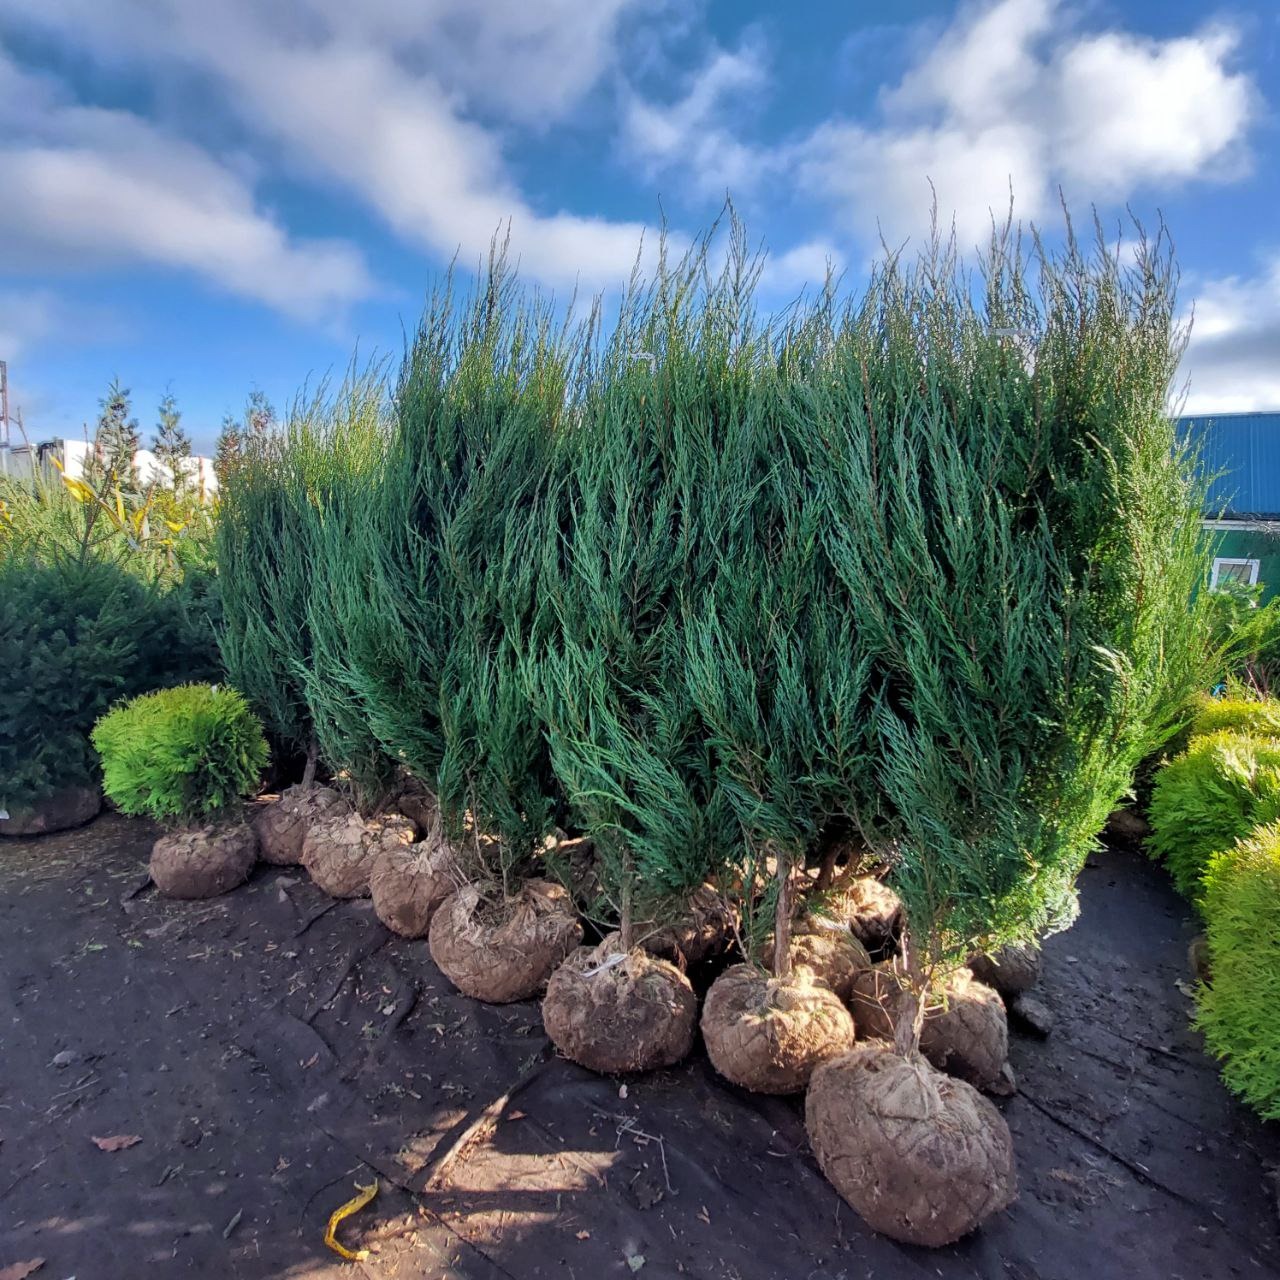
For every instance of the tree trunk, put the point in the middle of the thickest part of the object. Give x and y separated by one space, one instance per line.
910 1018
309 773
827 869
782 921
625 926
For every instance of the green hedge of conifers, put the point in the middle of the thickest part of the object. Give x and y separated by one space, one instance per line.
1238 1009
734 591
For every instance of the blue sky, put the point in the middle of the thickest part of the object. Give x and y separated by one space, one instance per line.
237 194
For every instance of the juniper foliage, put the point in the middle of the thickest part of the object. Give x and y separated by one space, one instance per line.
623 570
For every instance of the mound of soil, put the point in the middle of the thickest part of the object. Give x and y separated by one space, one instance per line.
1010 970
416 803
965 1031
340 849
614 1011
281 825
768 1034
871 910
921 1157
66 808
409 882
205 861
504 951
704 929
827 949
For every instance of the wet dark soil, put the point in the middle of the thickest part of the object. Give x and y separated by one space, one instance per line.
273 1049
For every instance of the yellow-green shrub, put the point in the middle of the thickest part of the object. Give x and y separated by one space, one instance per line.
1257 716
1240 1012
1206 799
182 754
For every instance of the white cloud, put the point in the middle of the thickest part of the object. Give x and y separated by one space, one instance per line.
1011 95
386 100
693 133
1134 111
87 185
1233 359
804 266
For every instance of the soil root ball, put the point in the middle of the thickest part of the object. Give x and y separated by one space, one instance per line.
501 952
921 1157
703 930
965 1031
205 861
340 849
66 808
613 1011
1010 970
768 1034
828 950
416 803
281 825
409 882
872 910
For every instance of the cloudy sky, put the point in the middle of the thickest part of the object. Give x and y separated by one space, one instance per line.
216 196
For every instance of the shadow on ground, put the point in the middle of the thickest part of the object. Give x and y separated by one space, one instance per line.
272 1049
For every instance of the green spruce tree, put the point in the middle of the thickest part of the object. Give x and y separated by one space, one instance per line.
227 450
172 444
116 440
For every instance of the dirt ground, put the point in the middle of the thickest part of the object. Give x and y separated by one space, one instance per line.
272 1049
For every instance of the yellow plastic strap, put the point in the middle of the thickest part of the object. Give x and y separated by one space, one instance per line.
354 1205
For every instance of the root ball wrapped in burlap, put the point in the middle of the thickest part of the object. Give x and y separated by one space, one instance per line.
409 882
340 849
828 949
921 1157
701 930
965 1030
768 1034
613 1011
281 825
204 862
1010 970
504 951
871 910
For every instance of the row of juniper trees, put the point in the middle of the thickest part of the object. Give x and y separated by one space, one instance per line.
686 618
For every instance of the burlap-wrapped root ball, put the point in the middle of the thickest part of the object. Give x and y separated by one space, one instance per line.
409 882
281 825
613 1011
1011 970
340 849
204 861
827 949
703 929
66 808
871 910
768 1034
504 951
921 1157
965 1031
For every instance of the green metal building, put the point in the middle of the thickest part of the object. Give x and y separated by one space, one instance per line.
1242 452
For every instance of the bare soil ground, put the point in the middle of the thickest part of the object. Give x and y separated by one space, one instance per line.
272 1049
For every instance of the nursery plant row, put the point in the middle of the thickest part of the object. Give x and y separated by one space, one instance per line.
1215 823
710 670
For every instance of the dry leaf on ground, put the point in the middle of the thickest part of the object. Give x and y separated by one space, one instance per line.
117 1142
21 1270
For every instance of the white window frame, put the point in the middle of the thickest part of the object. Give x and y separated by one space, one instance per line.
1221 562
